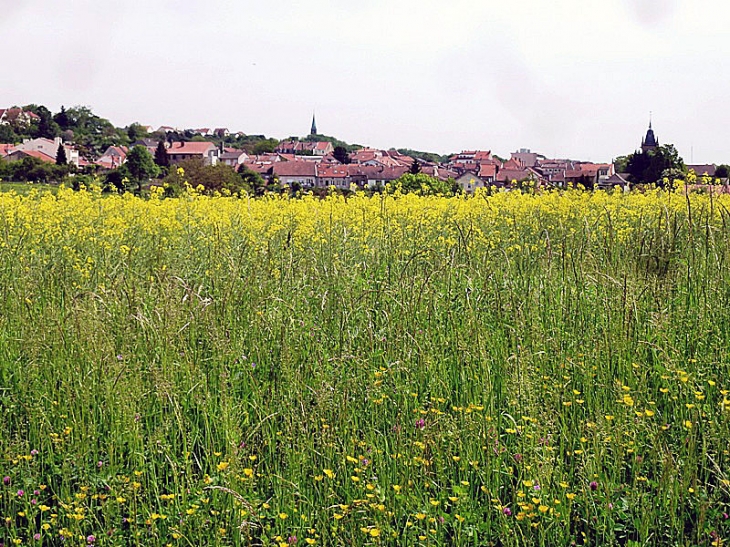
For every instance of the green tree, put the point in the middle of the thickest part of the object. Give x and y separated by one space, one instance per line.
31 170
161 157
7 135
62 119
722 171
45 127
135 132
213 178
61 158
620 164
650 166
265 146
141 166
341 155
423 184
426 156
251 179
415 167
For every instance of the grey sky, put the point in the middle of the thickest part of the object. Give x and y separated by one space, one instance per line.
569 78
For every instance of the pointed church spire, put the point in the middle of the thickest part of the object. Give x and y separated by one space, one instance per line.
650 142
314 126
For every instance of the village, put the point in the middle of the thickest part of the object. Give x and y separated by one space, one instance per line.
311 163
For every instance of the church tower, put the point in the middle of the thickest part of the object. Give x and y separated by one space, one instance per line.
649 142
314 126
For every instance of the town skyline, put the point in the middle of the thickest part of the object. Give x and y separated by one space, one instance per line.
572 79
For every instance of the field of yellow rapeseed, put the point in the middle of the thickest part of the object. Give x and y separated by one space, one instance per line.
509 369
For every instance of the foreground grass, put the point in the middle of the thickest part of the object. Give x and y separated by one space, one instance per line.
511 370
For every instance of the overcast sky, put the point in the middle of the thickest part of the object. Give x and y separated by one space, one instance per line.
567 78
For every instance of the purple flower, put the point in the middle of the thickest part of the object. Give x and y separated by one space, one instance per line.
292 540
517 457
507 511
100 464
420 423
36 492
6 480
536 487
120 357
593 485
90 539
36 537
725 516
34 501
21 493
610 505
34 452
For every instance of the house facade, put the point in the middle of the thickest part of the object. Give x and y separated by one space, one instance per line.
207 151
50 148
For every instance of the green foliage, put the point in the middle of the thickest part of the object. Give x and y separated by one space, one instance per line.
722 171
90 133
45 128
341 155
7 135
423 184
415 167
648 167
426 156
141 165
213 178
135 132
252 181
61 158
264 146
620 164
162 159
31 169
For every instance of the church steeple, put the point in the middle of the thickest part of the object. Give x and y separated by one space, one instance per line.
314 126
650 142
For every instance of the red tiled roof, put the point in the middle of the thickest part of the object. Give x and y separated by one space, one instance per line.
487 170
332 171
295 169
507 175
513 164
377 172
5 148
35 154
192 148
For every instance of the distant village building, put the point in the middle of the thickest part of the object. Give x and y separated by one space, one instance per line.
525 157
207 151
469 182
113 157
17 116
49 148
650 142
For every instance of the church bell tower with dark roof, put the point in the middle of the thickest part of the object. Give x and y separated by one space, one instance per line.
649 142
314 126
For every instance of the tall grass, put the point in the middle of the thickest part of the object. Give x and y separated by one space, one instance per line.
504 370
